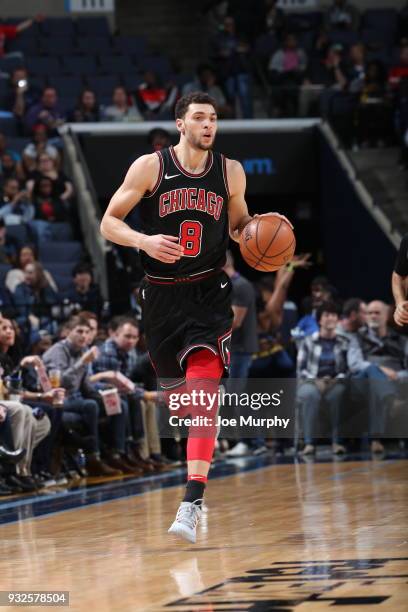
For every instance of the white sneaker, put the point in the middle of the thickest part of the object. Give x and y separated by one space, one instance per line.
239 450
186 522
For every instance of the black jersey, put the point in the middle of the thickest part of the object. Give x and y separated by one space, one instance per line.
192 207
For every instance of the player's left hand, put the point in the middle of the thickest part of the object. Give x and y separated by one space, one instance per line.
275 214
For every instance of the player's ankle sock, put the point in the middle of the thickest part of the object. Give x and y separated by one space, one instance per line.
195 489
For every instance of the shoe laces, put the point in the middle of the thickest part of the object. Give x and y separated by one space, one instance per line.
189 513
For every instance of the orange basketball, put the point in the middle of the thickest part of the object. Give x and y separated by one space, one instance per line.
267 243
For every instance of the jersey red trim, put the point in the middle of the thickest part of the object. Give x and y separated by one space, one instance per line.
159 179
225 175
189 174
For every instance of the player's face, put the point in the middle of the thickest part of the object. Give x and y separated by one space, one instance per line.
199 126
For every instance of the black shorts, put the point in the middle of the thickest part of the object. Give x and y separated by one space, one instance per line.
182 317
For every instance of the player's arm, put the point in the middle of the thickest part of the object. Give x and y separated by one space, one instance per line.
237 207
140 178
399 290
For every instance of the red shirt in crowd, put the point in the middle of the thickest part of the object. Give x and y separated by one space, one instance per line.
6 31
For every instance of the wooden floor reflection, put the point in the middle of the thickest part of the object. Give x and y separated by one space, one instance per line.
286 537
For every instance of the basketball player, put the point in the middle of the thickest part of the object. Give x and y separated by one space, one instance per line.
400 283
191 199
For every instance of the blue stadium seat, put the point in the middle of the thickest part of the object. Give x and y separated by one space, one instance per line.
62 45
301 22
381 19
344 37
132 81
67 86
43 65
64 283
157 64
94 46
4 269
38 82
60 252
8 64
19 232
8 125
92 26
60 269
28 46
119 64
4 93
61 231
77 64
130 45
17 143
103 85
67 103
58 26
265 45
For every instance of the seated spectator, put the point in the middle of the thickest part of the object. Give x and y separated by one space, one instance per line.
287 69
39 144
23 95
374 110
206 81
87 110
9 32
114 366
5 150
274 18
320 291
324 361
9 168
15 207
324 78
46 168
48 209
356 68
158 139
231 57
84 292
122 108
34 299
400 70
154 99
342 15
25 255
72 358
8 245
47 112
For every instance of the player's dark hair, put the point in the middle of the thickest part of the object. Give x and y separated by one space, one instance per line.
195 97
329 308
351 305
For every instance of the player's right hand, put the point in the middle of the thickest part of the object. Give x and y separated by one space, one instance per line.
401 313
162 247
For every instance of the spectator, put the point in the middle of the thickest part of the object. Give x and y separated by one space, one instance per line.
84 292
320 291
287 69
9 32
342 15
26 254
274 18
121 108
374 110
36 147
47 112
400 70
87 110
5 150
354 316
206 81
356 68
15 207
48 208
62 186
154 99
324 78
232 59
23 95
11 168
8 245
114 360
159 139
72 359
34 299
324 360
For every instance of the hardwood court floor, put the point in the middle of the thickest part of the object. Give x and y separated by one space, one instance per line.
298 537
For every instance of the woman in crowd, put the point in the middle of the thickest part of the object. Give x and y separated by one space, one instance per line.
27 254
46 167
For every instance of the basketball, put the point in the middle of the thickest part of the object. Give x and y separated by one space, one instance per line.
267 243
